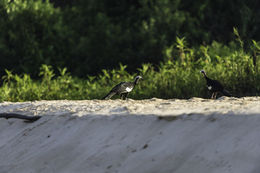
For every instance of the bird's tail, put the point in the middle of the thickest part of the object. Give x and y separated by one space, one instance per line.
109 95
226 93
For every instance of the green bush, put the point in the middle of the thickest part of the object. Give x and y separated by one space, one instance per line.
88 36
32 34
176 77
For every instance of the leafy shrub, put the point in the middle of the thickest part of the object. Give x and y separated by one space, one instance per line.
88 36
176 77
32 34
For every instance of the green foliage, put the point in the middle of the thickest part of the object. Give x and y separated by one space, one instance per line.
154 38
88 36
32 34
174 78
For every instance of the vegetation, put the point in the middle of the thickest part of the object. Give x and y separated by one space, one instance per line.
86 36
52 49
174 78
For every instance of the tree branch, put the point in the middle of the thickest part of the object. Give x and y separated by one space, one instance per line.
19 116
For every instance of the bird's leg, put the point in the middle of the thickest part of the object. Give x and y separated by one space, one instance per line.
126 94
122 96
212 96
215 95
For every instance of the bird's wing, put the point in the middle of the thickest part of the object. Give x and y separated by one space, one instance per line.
118 86
218 84
125 87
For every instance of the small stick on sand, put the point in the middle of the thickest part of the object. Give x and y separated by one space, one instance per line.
19 116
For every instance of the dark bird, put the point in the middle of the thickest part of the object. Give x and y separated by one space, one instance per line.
215 86
123 89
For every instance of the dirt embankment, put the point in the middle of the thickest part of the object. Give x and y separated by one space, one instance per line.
144 136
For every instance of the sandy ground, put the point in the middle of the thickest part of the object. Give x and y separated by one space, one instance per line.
133 136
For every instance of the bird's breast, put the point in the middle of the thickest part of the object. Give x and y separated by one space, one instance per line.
128 89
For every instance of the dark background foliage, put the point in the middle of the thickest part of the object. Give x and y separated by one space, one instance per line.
87 36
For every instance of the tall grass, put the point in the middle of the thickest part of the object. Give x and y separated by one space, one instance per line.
177 77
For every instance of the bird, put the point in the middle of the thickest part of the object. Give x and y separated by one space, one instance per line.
122 89
215 86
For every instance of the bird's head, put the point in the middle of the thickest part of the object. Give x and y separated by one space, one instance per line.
203 72
137 78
